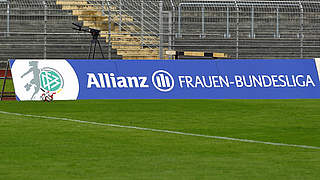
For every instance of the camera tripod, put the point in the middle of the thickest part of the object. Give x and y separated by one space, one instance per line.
95 33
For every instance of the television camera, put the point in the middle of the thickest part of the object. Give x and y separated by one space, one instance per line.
95 33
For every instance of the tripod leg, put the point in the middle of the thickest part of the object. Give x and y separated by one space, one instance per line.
89 55
94 49
100 49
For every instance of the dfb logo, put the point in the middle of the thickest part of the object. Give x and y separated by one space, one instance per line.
163 81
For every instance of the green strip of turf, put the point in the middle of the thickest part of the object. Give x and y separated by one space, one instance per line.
9 85
35 148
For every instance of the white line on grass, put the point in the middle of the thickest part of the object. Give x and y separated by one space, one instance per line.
162 131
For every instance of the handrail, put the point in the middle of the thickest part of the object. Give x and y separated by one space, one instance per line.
145 28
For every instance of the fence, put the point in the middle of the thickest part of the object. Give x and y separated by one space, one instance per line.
250 29
41 29
241 28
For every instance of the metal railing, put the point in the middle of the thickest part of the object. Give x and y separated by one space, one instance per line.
41 29
247 9
235 26
145 18
6 3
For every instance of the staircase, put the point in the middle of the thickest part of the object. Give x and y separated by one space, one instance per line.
131 35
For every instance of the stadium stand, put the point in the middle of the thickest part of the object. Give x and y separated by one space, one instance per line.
33 36
132 42
250 29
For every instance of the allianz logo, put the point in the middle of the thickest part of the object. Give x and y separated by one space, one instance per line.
161 80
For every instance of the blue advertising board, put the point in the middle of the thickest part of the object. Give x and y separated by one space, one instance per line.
167 79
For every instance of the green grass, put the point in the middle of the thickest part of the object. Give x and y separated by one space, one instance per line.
9 85
37 148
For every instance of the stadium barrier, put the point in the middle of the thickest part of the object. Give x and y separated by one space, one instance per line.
167 79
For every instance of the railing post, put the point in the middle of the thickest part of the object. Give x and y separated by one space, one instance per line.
179 21
161 29
252 23
120 14
227 35
277 24
170 29
202 23
142 24
109 30
45 29
109 36
8 19
173 32
237 29
301 29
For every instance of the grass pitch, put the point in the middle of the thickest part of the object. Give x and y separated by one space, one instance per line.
8 86
39 148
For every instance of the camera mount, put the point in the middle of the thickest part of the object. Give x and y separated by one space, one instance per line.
95 33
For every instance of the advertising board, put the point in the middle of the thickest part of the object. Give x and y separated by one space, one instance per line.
167 79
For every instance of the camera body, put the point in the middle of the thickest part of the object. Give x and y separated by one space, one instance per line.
94 32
